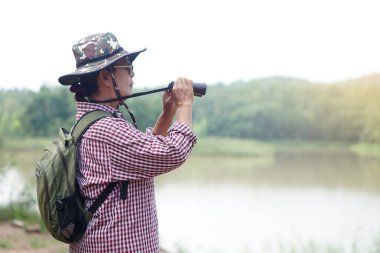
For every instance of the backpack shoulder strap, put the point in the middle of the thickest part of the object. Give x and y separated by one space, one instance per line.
82 125
77 131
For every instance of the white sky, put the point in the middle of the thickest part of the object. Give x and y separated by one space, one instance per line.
207 41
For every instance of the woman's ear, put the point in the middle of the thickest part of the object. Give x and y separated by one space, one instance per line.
105 77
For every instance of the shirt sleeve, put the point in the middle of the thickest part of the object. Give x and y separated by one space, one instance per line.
136 155
149 131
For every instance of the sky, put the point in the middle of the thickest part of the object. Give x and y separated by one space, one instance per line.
205 40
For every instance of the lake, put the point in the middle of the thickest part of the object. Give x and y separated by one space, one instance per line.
288 202
292 202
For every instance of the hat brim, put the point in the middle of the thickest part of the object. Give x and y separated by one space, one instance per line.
75 77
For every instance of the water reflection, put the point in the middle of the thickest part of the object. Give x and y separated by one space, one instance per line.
11 185
309 202
233 218
339 170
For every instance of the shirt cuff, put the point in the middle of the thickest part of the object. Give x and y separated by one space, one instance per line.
184 130
149 130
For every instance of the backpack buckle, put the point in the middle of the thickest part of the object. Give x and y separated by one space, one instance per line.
65 136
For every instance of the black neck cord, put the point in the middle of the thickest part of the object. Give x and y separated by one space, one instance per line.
133 95
120 98
130 114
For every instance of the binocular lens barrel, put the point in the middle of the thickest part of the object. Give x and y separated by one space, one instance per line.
199 89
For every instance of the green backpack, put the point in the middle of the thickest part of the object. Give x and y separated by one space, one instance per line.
59 200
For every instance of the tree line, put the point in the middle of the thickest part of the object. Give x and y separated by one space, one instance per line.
269 109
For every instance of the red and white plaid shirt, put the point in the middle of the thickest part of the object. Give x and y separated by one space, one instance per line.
113 150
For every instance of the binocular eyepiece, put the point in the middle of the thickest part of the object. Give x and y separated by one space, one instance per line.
199 89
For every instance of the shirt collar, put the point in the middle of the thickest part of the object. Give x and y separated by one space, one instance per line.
84 107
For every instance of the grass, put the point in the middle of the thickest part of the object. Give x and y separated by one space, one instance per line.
22 153
27 143
229 146
366 149
248 147
308 146
309 247
38 243
23 208
29 149
313 247
4 244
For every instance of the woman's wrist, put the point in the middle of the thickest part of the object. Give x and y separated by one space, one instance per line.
184 114
166 114
163 123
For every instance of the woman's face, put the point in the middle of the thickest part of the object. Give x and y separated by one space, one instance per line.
123 73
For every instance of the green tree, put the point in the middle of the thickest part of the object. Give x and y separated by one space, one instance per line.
12 104
48 110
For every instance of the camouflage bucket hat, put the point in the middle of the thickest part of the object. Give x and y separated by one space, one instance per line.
96 52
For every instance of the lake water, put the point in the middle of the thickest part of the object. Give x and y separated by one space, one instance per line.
310 202
292 202
9 189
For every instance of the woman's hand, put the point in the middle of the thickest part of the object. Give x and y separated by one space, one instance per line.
183 95
177 102
182 92
169 107
164 121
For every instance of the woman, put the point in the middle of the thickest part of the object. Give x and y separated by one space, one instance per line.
113 150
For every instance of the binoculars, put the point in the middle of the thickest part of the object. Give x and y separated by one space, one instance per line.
199 89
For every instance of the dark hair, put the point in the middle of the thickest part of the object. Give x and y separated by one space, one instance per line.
88 86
